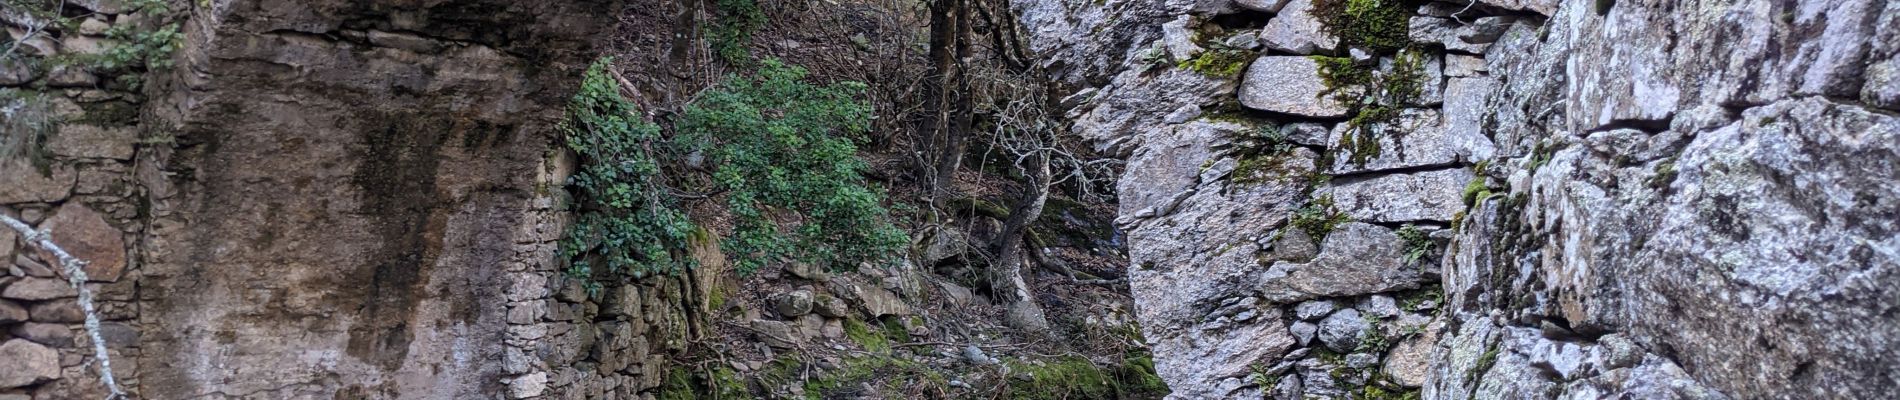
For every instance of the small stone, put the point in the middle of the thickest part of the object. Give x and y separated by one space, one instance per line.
57 311
834 328
1307 133
1460 65
777 334
11 312
1341 331
86 235
38 289
1184 114
830 306
1245 40
82 44
1289 85
16 72
55 335
1379 305
1409 362
1178 38
947 243
807 271
793 304
1314 310
94 26
530 385
1303 332
66 76
974 355
1359 55
1619 351
1355 259
1295 30
28 363
1361 360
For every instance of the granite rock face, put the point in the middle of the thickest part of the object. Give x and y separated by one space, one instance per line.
1660 199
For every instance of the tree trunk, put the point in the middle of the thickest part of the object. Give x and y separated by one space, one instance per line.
1006 274
951 108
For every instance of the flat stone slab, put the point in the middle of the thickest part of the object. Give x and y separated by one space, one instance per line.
1419 196
1289 85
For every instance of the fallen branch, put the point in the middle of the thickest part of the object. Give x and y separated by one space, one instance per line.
76 276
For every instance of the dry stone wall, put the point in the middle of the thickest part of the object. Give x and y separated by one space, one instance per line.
1643 199
70 168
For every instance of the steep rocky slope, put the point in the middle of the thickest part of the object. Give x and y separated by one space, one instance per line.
1646 199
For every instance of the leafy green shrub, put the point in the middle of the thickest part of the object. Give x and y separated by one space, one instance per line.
785 148
732 32
626 221
784 159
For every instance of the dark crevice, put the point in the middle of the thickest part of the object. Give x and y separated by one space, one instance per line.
1342 179
1401 170
1648 126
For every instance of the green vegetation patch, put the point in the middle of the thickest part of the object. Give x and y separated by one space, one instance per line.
1380 25
731 33
1417 244
1078 378
1376 98
785 148
626 220
784 158
1261 154
1318 217
1219 62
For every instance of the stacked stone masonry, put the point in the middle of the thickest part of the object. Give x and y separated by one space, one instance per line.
78 181
1629 199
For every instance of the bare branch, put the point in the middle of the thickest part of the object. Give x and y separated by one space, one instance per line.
76 276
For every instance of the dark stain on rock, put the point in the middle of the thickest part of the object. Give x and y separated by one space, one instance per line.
397 179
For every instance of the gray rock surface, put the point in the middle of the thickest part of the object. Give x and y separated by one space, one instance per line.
1290 85
28 363
793 304
1358 258
1667 174
1313 310
1403 197
1295 30
1342 330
